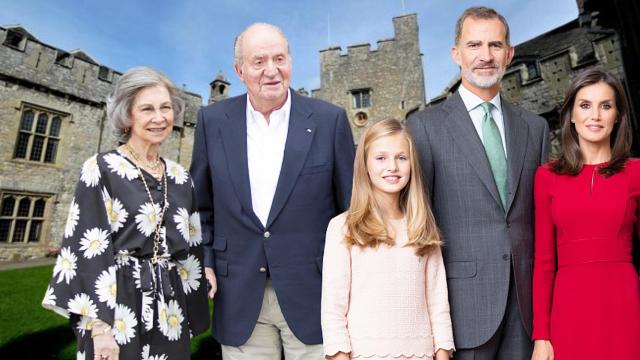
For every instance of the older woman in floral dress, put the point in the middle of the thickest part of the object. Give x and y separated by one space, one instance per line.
129 274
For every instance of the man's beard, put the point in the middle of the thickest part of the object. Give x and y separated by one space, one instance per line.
483 82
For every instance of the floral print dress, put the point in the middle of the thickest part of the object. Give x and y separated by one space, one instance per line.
104 268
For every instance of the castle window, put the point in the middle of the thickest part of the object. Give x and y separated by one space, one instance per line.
15 40
22 217
38 136
361 98
103 73
532 70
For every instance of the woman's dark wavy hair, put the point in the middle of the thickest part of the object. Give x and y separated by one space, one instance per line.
570 160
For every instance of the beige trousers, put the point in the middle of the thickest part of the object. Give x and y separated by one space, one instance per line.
270 335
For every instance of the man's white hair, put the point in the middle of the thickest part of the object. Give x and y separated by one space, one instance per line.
237 45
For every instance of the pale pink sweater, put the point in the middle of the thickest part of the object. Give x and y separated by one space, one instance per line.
385 301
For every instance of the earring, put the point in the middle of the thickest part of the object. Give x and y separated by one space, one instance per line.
126 130
573 121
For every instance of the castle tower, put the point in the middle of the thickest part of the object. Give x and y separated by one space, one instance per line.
374 84
219 88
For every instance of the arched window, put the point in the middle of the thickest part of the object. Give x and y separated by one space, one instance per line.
38 208
8 204
27 120
24 206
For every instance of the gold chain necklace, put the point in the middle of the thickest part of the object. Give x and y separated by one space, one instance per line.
152 165
156 238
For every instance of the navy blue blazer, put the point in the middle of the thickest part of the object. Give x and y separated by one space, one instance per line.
314 186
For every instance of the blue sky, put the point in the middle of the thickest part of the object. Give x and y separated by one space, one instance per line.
191 40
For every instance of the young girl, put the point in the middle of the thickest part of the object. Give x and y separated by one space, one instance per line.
384 290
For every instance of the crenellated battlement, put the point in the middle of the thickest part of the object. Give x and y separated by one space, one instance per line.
25 58
405 32
74 74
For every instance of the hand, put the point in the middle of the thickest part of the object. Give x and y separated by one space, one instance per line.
442 354
339 356
542 350
210 275
105 347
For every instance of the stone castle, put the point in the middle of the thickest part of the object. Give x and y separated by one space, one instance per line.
387 82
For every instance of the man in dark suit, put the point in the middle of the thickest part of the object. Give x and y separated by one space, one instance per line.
479 155
271 168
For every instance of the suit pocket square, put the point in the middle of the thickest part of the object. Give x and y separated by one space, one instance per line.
460 269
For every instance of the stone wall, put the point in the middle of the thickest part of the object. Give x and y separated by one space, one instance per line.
546 92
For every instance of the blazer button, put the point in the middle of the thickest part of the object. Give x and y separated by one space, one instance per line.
263 269
266 234
505 257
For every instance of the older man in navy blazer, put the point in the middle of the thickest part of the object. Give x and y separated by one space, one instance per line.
271 168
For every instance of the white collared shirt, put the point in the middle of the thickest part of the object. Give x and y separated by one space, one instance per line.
472 103
265 151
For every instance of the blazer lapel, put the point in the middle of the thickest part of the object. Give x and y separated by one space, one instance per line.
516 134
299 138
234 138
466 138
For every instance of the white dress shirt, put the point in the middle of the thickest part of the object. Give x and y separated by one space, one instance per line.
265 151
472 103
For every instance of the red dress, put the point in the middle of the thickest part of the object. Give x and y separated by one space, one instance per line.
586 292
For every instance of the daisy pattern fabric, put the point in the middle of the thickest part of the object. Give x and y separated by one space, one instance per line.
103 270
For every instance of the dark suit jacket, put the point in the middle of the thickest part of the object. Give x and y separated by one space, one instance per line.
314 186
482 241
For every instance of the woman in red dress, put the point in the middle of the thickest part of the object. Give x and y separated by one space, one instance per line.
586 291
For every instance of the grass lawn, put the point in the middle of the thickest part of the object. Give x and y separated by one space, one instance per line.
30 331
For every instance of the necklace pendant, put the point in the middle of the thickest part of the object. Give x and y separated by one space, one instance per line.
159 187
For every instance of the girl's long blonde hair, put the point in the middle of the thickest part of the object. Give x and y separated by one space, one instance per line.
366 227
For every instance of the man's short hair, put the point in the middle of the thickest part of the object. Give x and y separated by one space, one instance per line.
237 43
480 12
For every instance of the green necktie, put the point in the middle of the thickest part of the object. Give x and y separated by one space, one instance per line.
495 151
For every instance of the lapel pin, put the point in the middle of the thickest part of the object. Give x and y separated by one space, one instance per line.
309 130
